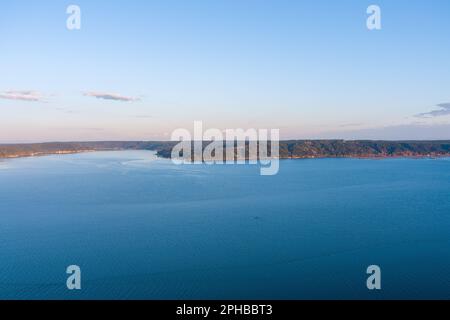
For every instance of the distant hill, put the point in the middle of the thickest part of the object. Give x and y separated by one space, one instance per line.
362 148
293 149
37 149
303 149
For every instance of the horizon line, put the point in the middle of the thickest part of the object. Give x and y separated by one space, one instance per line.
166 141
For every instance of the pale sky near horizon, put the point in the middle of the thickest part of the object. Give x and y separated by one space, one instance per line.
137 70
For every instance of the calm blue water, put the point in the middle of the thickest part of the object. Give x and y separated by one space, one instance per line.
142 228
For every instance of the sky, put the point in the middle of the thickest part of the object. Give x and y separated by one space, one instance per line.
138 70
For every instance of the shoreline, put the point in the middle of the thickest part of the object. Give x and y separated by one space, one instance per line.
43 154
292 149
306 157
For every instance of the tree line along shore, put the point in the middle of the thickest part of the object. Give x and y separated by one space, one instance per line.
292 149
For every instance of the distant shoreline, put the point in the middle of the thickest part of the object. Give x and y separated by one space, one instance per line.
291 149
38 155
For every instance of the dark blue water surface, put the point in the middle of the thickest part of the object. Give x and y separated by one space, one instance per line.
143 228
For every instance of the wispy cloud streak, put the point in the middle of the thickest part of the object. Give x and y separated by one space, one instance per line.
443 111
23 95
110 96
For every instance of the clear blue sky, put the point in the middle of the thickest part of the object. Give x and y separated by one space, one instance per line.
310 68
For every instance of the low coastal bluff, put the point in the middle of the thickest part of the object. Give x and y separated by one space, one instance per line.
293 149
39 149
362 149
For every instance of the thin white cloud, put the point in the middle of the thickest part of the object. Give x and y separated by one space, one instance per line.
23 95
110 96
443 111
